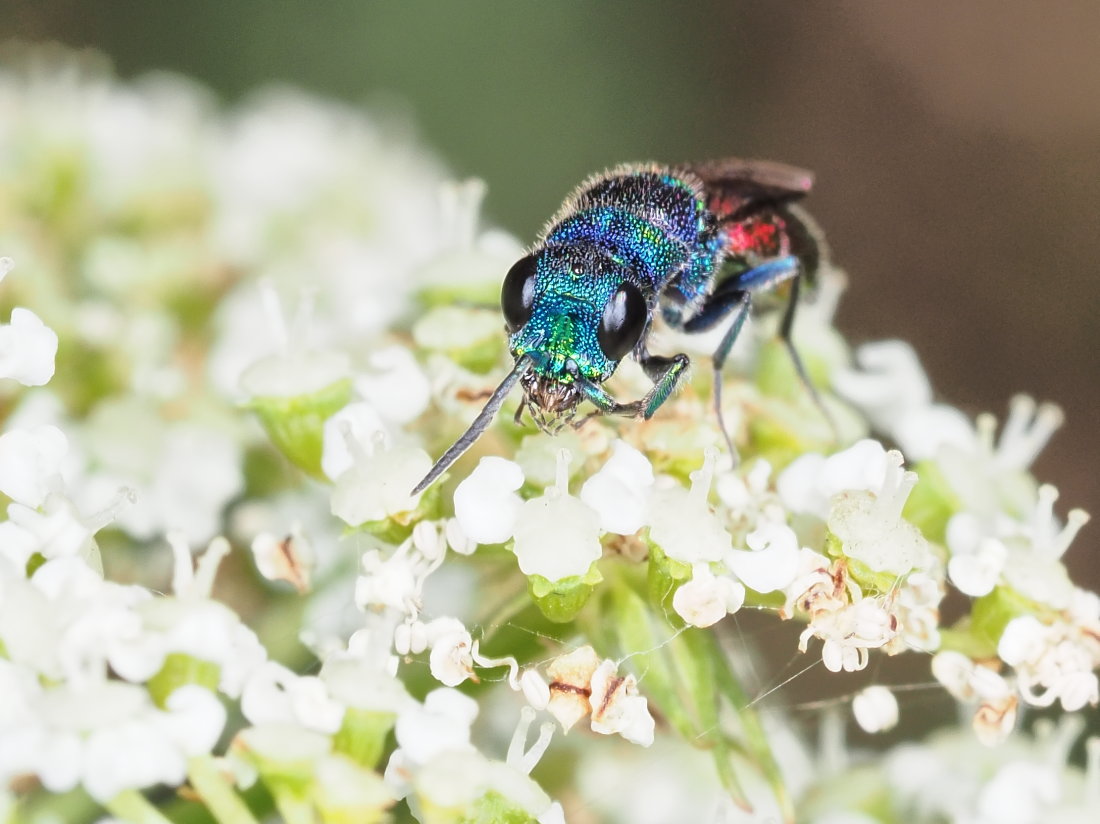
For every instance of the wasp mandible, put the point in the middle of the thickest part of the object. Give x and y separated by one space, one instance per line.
694 242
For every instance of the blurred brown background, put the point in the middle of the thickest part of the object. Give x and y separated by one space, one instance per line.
957 146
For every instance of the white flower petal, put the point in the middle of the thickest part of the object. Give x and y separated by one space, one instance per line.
194 720
486 503
875 709
773 562
27 349
557 536
619 492
359 422
395 384
30 463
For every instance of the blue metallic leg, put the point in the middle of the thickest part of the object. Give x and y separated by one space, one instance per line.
719 305
665 374
734 296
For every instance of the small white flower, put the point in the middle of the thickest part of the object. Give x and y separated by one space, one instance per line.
976 559
617 707
1020 793
391 582
30 463
681 521
108 737
916 607
378 486
289 558
190 623
924 432
808 484
535 689
995 715
707 599
486 504
849 633
570 676
772 562
1058 659
875 709
55 531
273 693
27 349
450 660
894 392
556 534
6 265
457 539
442 724
891 384
358 422
395 385
750 500
870 526
619 492
296 368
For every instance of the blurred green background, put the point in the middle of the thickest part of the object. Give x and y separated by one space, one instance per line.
957 146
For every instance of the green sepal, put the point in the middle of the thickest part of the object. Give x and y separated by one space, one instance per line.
348 793
362 735
296 425
495 808
285 756
397 529
664 576
561 600
466 335
181 669
931 503
961 638
990 614
871 581
34 562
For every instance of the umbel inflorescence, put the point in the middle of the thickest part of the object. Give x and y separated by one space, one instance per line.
237 341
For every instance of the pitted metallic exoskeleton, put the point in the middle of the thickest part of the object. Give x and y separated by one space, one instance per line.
694 243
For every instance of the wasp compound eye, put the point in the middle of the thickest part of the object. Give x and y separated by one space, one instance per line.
624 319
517 295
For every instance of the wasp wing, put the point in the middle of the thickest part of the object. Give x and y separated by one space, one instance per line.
736 188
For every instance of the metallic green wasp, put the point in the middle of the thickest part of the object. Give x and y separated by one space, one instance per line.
692 242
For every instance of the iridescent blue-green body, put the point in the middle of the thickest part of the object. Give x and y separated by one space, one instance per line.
692 242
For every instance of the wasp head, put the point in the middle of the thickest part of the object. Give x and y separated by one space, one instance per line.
574 314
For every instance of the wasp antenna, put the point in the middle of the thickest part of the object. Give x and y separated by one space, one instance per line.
483 419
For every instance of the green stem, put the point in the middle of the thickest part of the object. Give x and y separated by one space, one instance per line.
130 805
752 730
217 793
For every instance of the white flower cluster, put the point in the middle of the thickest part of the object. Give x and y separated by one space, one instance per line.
197 412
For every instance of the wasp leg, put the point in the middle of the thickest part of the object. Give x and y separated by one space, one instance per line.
665 374
734 296
785 328
719 305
